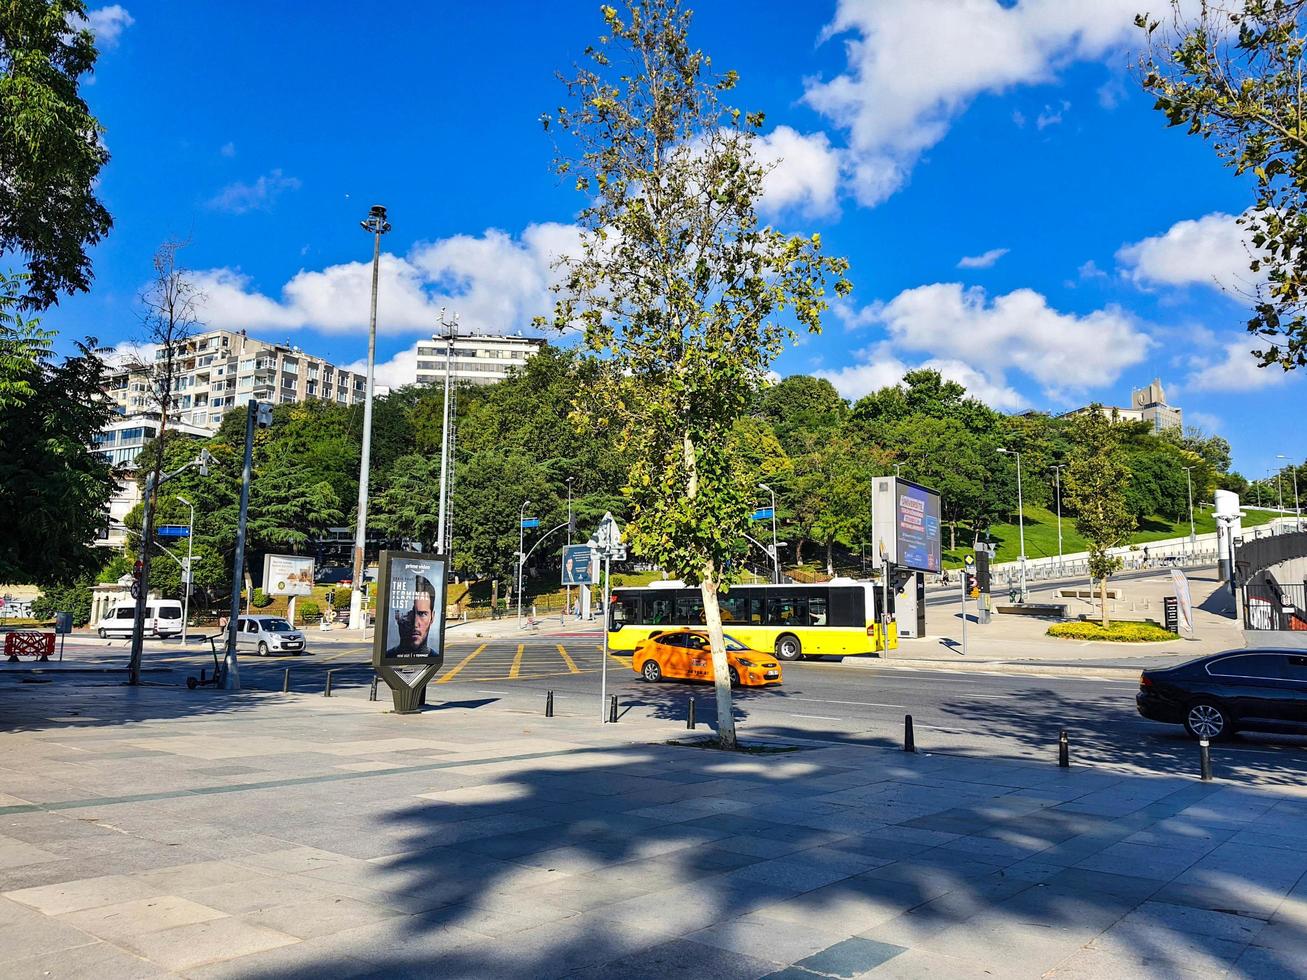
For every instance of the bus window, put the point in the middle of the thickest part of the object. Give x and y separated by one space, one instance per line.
817 610
735 607
689 611
658 610
783 610
757 610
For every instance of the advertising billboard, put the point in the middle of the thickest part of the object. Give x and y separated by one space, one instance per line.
577 565
410 624
906 524
287 574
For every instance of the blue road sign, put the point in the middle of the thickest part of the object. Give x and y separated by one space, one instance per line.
173 531
762 514
528 522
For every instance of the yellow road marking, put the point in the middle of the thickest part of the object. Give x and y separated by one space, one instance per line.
571 664
517 662
461 664
625 661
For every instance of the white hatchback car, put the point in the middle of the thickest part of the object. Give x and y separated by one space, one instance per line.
268 634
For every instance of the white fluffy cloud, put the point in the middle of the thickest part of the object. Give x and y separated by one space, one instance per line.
495 282
1234 368
261 195
806 176
400 370
880 368
982 261
914 67
1208 251
108 24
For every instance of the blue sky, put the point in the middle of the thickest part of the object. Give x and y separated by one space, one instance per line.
1015 212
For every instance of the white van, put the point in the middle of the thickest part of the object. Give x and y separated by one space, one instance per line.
163 617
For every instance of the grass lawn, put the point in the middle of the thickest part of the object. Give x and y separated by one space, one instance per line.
1041 534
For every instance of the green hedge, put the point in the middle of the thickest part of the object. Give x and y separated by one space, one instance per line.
306 610
1116 633
261 599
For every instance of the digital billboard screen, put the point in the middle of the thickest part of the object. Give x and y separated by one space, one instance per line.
906 524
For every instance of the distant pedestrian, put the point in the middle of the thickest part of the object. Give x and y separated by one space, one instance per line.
1145 555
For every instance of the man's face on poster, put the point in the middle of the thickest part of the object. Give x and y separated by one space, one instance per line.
415 622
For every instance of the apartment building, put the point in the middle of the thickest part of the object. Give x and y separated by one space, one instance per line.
479 358
221 369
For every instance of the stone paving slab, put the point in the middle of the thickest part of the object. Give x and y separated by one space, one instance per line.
308 837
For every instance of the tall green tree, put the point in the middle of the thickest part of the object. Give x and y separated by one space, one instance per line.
803 411
1095 489
51 150
1233 75
23 344
679 287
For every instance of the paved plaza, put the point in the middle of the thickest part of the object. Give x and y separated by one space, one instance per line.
158 832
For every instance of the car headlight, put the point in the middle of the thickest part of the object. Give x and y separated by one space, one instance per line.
744 663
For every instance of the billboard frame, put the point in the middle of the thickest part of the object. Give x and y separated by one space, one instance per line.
269 578
885 526
407 690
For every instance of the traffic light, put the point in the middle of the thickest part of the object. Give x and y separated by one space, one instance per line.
973 588
136 570
263 415
331 597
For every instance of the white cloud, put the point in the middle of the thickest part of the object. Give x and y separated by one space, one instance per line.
982 261
914 67
240 198
228 149
879 368
1205 420
1208 251
128 353
806 176
495 282
108 24
1051 116
1235 369
400 370
1064 352
1019 118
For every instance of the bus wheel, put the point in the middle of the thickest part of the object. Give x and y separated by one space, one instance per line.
788 647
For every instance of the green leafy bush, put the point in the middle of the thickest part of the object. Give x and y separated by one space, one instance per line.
261 599
1116 633
74 598
307 610
340 600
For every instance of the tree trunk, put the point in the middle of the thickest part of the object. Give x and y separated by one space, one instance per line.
798 549
830 560
1102 586
952 535
721 676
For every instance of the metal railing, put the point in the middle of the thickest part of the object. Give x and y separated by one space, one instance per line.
1272 606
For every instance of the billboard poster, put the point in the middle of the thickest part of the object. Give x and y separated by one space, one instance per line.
577 565
287 574
410 624
906 525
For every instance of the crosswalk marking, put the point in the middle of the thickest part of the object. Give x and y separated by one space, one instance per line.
571 664
517 662
462 663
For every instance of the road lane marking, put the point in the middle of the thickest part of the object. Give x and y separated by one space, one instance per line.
517 663
792 714
571 664
461 664
865 704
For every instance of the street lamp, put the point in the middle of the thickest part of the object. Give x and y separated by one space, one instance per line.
1021 519
775 552
567 587
375 225
190 565
1189 482
1297 511
521 556
1057 476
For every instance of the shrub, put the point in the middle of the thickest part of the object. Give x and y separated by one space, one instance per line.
1125 632
261 599
74 598
307 610
340 601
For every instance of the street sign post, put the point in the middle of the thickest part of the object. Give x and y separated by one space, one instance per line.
608 544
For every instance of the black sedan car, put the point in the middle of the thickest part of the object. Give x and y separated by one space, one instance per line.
1216 696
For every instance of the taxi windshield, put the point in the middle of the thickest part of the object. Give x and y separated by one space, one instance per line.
734 645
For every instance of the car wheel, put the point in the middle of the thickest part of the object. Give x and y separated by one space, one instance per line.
788 647
651 671
104 633
735 677
263 649
1205 719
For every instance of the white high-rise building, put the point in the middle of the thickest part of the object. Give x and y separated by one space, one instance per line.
479 358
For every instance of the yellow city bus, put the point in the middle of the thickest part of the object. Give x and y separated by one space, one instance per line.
835 619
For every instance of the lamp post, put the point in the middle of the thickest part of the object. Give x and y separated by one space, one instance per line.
521 557
1021 519
1193 534
1057 476
1297 511
567 587
775 552
190 564
1279 492
450 327
376 225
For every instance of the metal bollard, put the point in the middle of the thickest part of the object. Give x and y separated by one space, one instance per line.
1063 751
612 710
326 693
689 715
549 704
285 682
909 740
202 680
1205 760
372 695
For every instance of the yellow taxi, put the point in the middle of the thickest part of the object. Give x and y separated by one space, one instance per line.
684 654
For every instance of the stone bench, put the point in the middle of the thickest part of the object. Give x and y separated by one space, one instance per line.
1042 610
1088 594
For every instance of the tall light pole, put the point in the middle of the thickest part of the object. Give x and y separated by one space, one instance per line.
190 568
521 556
775 551
1057 476
1193 533
1021 519
1297 511
450 328
376 225
1279 492
567 587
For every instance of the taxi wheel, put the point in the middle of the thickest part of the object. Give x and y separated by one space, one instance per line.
651 671
788 647
735 677
263 649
